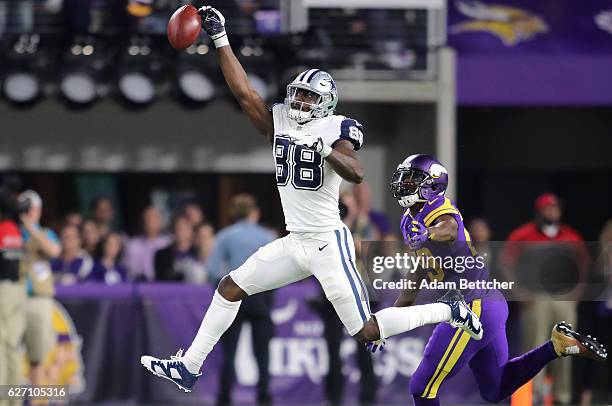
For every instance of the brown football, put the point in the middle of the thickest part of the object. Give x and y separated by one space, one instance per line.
184 27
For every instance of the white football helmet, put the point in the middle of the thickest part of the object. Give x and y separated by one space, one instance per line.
318 82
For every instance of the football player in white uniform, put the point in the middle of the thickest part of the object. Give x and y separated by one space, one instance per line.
313 150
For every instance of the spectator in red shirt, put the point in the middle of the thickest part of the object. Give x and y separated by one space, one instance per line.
13 298
546 226
532 253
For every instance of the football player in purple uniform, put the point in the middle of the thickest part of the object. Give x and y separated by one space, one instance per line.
432 226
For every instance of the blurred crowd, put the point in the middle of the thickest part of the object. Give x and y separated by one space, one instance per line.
90 249
93 251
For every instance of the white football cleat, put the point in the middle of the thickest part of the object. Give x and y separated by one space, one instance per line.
461 315
172 369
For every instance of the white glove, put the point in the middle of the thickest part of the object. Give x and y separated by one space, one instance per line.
213 23
314 143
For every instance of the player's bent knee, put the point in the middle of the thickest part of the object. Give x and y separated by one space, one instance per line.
368 333
417 385
414 388
361 337
230 290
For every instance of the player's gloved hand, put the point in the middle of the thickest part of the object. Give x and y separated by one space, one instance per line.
405 224
377 345
415 233
213 23
314 143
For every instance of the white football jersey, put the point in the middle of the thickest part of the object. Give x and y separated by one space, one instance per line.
309 187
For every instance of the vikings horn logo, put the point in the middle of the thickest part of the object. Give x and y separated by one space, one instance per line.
510 24
64 363
436 170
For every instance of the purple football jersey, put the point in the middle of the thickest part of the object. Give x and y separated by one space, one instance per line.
455 261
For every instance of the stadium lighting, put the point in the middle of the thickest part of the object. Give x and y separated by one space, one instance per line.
137 81
196 86
194 83
21 84
84 63
21 87
137 88
257 63
198 49
78 88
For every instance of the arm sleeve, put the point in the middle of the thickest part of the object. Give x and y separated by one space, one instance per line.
440 206
351 130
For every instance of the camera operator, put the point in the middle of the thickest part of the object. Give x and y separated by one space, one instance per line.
40 245
12 292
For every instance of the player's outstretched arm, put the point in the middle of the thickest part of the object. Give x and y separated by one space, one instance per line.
250 101
235 76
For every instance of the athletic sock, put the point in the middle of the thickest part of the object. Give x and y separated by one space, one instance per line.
397 320
218 318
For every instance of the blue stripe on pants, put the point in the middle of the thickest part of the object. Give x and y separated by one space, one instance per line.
363 287
348 275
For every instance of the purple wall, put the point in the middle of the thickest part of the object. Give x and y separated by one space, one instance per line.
520 52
